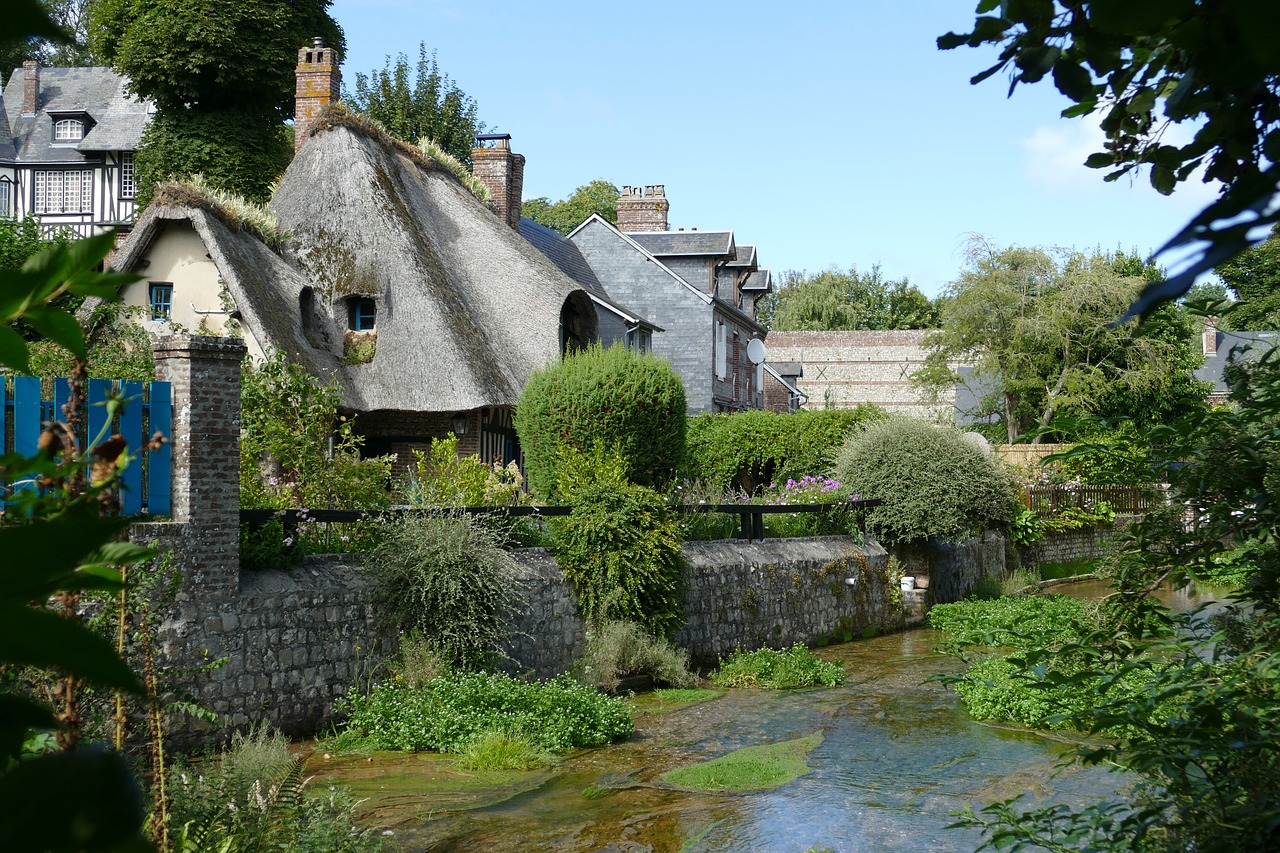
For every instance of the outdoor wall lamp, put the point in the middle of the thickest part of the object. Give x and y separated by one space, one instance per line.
461 422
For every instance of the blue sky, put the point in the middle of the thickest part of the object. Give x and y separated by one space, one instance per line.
825 133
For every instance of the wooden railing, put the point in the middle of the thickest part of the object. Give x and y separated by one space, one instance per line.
1124 500
750 516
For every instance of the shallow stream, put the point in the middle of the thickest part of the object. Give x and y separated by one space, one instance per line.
899 755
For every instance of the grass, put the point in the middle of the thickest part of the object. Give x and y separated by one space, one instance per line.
752 768
1069 569
666 701
788 669
499 750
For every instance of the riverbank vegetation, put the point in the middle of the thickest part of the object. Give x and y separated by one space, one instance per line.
786 669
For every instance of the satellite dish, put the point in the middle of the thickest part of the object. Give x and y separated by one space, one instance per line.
755 351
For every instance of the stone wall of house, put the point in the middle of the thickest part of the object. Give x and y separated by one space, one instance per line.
844 369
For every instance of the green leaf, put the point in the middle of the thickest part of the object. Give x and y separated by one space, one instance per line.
32 636
13 351
1036 61
1138 17
96 803
1163 179
19 715
1073 80
59 326
41 555
1100 160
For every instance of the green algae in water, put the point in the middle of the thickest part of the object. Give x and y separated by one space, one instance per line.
752 768
665 701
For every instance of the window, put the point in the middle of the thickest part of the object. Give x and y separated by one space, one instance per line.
6 196
639 340
68 130
161 294
722 352
363 313
128 176
64 192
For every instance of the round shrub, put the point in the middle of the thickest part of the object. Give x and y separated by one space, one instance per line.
606 397
446 580
620 550
932 481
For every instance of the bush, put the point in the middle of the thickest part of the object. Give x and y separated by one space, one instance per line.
620 550
618 650
788 669
254 798
447 580
603 396
747 450
453 709
932 480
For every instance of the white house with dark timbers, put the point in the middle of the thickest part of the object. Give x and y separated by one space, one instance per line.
67 138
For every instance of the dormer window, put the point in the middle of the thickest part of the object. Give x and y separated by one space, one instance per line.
68 130
362 314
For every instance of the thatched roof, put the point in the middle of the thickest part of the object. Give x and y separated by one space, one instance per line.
467 309
264 287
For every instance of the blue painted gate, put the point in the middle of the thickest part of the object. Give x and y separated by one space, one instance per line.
148 408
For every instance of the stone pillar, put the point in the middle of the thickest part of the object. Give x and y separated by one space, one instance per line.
205 376
643 209
318 78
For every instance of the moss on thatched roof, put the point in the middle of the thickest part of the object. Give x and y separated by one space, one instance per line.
230 209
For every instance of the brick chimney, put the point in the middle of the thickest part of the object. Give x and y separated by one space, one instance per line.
503 173
643 210
30 87
319 82
1209 338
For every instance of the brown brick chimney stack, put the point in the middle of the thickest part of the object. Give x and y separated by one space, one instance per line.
30 87
643 210
319 82
1209 338
503 173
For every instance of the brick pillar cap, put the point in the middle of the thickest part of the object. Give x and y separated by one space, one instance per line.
205 345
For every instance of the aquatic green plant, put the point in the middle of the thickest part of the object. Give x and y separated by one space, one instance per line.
752 768
497 749
787 669
1021 622
448 712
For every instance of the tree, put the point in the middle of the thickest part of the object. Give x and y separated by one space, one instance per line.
69 15
1254 278
433 107
1147 65
833 299
1040 333
599 196
221 76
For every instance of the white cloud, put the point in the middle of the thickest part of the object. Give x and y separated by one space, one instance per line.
1055 158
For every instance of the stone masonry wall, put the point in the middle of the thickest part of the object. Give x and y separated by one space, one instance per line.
750 595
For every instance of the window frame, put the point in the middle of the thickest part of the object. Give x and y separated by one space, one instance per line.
76 184
160 300
360 309
60 124
128 176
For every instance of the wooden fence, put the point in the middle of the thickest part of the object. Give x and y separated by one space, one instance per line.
29 402
1125 500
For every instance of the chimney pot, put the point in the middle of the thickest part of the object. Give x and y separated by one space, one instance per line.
318 79
643 209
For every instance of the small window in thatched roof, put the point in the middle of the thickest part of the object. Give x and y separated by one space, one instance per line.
362 313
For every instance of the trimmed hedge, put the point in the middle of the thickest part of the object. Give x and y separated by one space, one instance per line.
603 397
751 449
932 480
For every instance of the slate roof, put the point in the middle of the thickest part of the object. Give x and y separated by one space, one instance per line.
668 243
746 257
758 280
566 255
118 118
1249 346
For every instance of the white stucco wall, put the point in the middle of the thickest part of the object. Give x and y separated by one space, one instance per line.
177 256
